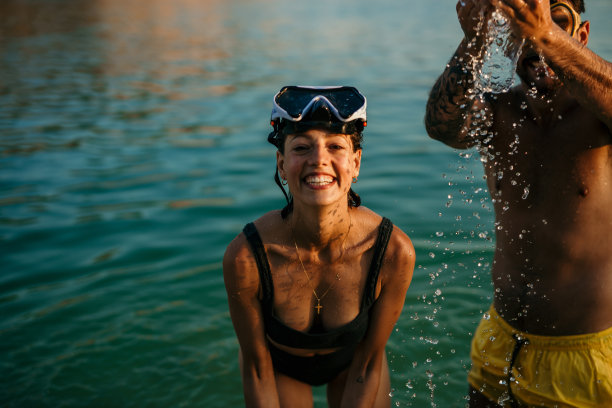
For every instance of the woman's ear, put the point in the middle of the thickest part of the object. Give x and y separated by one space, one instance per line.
357 162
280 165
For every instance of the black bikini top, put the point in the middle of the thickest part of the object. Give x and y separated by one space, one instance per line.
348 335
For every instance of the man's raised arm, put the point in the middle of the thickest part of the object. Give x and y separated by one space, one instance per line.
587 76
451 104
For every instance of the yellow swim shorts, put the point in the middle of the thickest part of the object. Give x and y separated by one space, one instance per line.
541 371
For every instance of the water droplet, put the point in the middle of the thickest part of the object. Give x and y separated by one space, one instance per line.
432 255
439 234
525 193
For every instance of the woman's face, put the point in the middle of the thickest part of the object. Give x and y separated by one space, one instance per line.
319 166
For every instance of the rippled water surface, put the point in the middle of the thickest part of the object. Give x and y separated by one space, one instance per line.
133 149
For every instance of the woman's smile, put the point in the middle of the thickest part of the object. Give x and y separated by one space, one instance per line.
319 181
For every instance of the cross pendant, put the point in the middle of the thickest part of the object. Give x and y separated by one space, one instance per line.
318 307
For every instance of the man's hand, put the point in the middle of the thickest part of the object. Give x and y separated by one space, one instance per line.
530 19
473 16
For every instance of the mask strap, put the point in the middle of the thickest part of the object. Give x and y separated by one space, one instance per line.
575 16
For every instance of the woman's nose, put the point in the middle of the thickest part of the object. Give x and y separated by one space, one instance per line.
319 154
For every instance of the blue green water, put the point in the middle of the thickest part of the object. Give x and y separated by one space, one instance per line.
132 150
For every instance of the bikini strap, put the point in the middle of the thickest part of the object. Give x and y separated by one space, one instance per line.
265 274
384 234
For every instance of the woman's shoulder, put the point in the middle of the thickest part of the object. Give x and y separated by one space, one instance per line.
264 225
400 254
269 222
372 221
400 246
239 261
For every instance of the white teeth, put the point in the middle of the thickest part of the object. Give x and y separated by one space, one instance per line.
319 180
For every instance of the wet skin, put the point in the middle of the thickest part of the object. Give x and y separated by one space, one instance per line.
323 249
552 192
548 165
550 176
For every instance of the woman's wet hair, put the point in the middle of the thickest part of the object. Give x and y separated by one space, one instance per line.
278 138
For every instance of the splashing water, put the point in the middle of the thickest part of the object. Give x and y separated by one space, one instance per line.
495 68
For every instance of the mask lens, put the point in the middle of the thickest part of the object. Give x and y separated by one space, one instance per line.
294 99
347 101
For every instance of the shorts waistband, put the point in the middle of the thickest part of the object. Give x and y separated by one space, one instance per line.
579 341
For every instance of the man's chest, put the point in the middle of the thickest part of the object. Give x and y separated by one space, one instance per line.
527 157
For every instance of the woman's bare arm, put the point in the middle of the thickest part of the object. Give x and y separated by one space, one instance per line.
364 373
242 285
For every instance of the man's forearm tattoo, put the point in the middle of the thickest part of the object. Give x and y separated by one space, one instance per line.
449 100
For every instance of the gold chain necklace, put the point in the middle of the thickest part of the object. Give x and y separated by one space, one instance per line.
297 252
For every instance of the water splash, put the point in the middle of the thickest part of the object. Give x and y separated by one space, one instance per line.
496 66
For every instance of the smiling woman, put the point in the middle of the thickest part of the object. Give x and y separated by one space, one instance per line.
314 290
324 185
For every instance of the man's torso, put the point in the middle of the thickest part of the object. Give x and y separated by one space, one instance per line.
551 181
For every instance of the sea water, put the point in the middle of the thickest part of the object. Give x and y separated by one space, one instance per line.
133 150
496 67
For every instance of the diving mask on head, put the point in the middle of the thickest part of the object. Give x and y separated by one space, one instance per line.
340 109
565 17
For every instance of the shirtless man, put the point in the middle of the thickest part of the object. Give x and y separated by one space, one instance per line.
546 146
